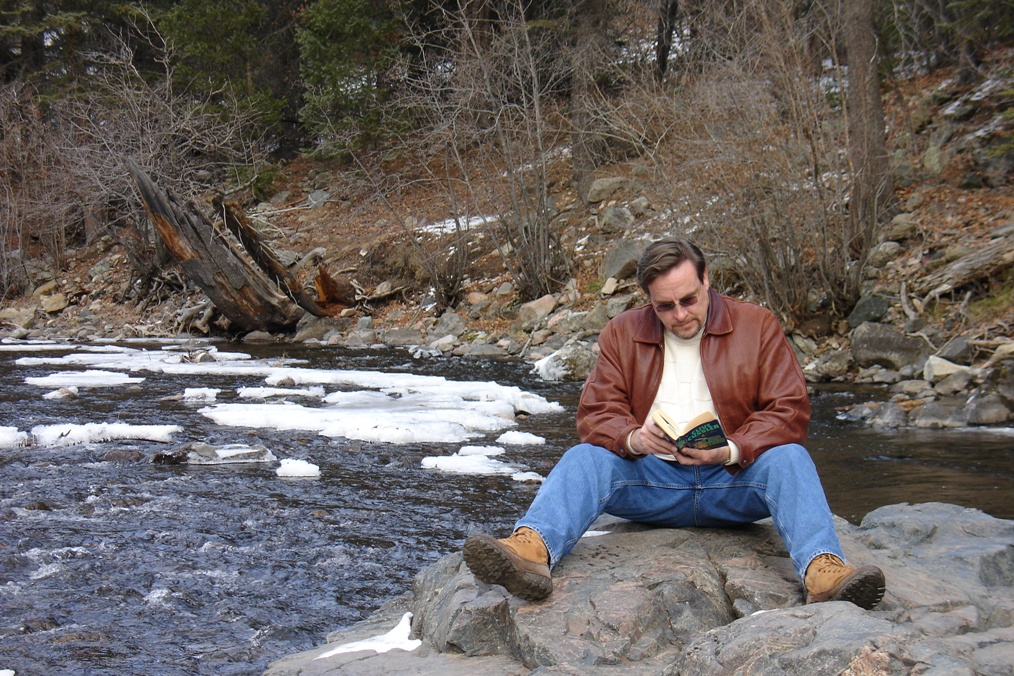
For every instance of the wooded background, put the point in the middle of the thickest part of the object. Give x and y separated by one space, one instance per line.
763 118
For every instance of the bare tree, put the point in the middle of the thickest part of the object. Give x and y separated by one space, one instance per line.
746 146
488 117
872 199
34 211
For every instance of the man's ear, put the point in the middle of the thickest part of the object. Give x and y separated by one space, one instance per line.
705 282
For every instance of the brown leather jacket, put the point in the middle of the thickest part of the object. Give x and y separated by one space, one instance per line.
755 380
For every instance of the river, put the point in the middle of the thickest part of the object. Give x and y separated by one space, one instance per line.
113 564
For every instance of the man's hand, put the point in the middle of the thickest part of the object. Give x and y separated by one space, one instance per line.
650 439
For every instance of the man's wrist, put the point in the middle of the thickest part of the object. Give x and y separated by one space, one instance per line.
733 454
629 447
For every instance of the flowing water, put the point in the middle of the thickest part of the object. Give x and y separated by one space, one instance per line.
112 564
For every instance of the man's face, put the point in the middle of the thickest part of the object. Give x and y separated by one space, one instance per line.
680 300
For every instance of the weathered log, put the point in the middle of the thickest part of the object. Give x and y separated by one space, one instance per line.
214 261
995 256
334 293
262 254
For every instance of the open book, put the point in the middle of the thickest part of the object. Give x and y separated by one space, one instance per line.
703 432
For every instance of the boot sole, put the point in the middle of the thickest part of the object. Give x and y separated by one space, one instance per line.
493 563
865 589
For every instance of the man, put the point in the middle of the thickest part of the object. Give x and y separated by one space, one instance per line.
688 352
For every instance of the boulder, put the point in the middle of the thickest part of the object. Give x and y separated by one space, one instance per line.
603 188
620 261
937 368
402 336
870 308
641 600
532 312
615 219
450 324
875 343
572 362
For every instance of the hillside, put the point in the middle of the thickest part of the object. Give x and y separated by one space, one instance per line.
952 170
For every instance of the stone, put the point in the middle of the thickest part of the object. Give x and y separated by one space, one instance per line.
988 409
937 368
884 253
318 328
483 350
902 226
445 344
449 324
870 308
402 336
618 304
939 414
621 259
596 319
505 289
875 343
640 206
954 383
610 286
642 600
45 288
317 198
22 318
957 350
889 416
258 337
532 312
54 303
1005 230
476 297
828 366
572 362
603 188
615 219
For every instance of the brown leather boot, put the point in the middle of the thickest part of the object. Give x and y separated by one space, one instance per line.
520 563
829 579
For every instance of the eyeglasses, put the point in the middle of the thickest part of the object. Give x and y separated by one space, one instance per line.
685 303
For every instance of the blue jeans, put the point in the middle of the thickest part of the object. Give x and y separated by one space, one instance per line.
781 483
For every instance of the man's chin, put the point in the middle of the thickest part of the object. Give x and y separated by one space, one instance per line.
690 331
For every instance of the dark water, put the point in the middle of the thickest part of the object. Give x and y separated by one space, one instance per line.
112 566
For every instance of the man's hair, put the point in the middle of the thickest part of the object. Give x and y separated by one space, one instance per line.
662 256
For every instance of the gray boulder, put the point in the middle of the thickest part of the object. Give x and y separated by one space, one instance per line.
870 308
621 260
875 343
603 188
639 600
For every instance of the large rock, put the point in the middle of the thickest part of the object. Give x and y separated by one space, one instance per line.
641 600
883 344
621 260
533 312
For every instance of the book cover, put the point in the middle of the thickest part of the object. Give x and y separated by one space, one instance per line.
703 432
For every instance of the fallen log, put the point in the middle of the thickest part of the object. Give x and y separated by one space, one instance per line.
993 257
216 262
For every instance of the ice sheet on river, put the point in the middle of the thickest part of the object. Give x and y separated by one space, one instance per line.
370 406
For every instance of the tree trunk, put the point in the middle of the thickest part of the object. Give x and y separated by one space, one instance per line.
872 200
213 260
590 25
663 39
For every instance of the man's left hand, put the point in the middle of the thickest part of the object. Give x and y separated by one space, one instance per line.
693 456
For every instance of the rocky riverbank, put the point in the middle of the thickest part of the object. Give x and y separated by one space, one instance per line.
931 378
639 600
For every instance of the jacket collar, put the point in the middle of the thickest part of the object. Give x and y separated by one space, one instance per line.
719 322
